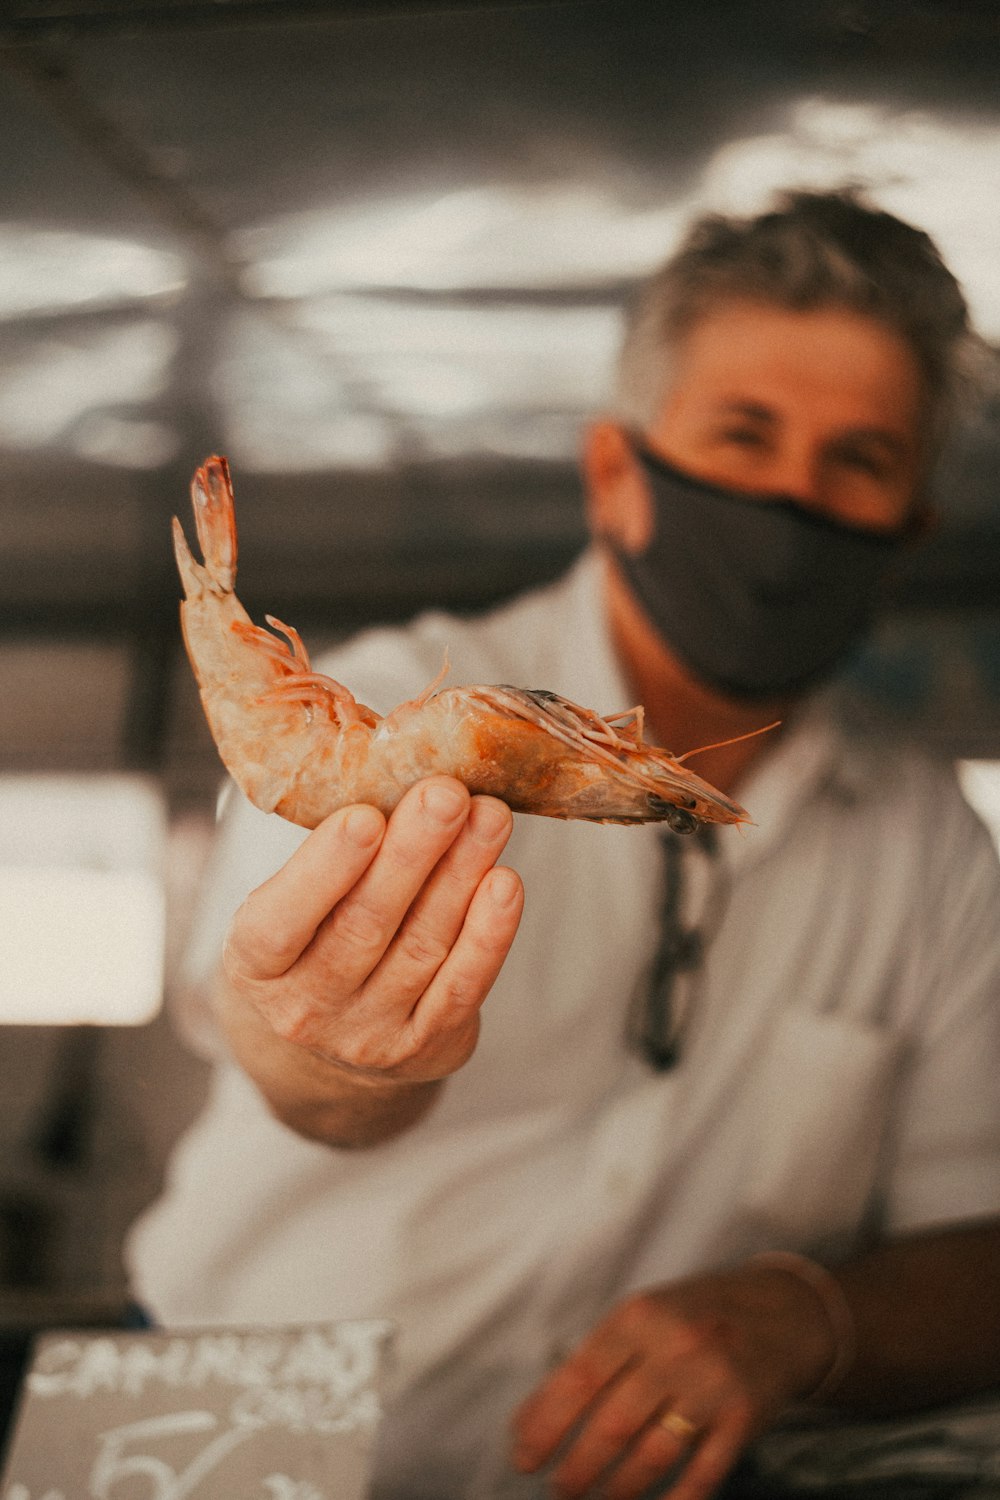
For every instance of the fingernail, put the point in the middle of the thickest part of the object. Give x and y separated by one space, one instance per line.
442 802
488 819
504 887
363 825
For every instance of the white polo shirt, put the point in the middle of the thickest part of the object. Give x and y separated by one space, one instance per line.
838 1069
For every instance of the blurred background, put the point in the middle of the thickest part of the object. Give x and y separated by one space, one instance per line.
376 254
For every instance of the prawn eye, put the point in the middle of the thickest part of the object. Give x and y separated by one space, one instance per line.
681 821
676 818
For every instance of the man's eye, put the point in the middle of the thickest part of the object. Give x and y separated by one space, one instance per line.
863 462
743 437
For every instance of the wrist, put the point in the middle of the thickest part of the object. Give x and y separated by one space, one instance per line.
332 1103
355 1117
833 1308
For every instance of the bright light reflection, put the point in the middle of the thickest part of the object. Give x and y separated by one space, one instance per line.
936 172
357 380
82 893
501 235
981 784
443 361
46 270
50 383
289 405
123 442
349 380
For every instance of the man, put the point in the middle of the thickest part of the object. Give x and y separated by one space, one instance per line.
588 1202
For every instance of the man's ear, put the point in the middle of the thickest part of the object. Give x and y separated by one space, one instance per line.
619 506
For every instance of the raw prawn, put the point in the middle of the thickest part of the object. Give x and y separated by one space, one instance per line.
299 744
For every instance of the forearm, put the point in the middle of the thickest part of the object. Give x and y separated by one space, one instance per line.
927 1314
316 1098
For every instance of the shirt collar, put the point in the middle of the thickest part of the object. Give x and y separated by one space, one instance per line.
805 757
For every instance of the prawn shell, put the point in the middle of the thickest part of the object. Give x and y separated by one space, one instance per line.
299 744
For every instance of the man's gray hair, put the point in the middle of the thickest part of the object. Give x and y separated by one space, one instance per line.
810 250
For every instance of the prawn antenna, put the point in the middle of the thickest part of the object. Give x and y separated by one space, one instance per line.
751 734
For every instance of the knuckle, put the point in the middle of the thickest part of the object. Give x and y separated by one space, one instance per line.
293 1017
249 939
355 1052
358 925
423 948
460 993
362 1056
378 1051
293 1023
366 1052
615 1425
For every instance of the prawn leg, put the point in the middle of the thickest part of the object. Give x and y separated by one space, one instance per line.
301 744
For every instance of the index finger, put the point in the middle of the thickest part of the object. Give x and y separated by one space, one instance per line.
544 1421
278 920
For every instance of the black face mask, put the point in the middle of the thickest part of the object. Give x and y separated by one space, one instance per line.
755 594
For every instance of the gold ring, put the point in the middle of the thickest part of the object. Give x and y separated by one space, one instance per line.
678 1426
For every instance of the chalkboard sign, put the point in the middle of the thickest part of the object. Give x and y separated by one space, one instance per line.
211 1414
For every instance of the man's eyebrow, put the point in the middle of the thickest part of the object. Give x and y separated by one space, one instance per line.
739 406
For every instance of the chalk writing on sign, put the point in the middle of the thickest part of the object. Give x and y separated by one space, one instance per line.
279 1414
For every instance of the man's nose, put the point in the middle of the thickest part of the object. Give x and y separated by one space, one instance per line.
798 474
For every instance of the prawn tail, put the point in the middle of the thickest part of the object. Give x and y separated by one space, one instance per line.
215 519
193 576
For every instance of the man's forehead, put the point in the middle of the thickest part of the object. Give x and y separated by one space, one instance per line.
755 332
759 358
